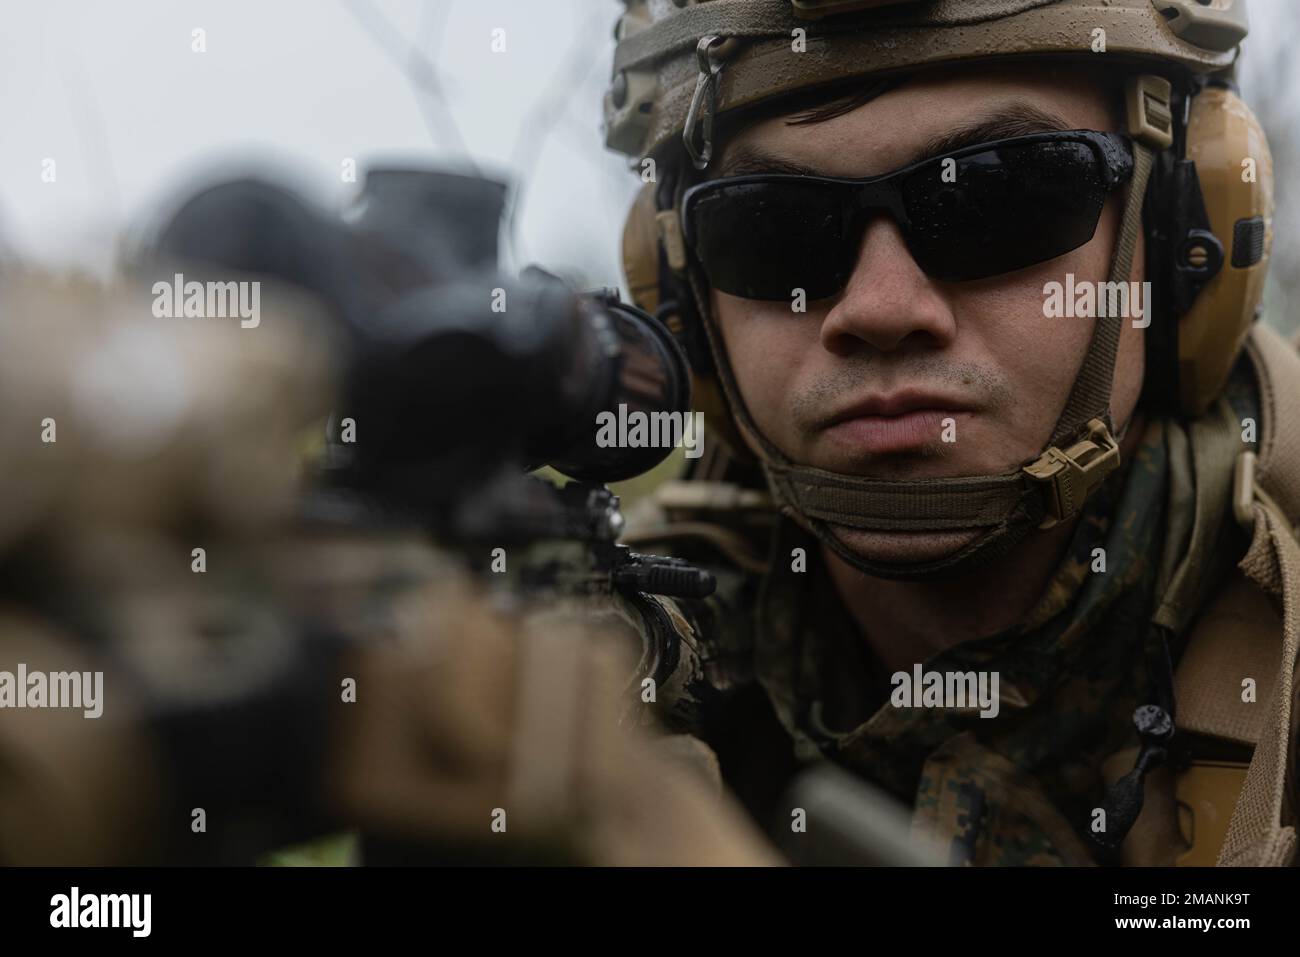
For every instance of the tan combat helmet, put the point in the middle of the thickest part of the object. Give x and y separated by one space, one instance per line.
682 65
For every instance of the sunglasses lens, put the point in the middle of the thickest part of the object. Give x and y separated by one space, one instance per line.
1004 209
980 215
765 240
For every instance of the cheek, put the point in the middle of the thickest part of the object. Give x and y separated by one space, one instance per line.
1039 355
766 347
1003 325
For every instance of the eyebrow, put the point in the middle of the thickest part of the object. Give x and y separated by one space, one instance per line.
1015 119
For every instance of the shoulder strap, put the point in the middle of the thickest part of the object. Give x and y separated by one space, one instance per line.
1262 829
1257 834
1277 372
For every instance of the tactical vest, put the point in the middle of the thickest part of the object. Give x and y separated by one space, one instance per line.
1235 803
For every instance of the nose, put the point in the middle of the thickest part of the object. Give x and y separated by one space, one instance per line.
889 303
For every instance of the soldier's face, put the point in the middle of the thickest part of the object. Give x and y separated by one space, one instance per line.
900 375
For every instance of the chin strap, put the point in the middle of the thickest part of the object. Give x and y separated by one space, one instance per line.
1082 452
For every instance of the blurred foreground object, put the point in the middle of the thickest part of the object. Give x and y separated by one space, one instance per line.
282 650
310 676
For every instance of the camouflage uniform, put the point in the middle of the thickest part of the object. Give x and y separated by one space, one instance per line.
1017 789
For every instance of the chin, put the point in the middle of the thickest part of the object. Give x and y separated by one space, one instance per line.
904 547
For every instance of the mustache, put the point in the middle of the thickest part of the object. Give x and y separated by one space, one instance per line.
858 376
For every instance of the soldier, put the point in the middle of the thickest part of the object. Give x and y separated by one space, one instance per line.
970 292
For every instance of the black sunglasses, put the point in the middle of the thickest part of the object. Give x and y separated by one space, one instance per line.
998 207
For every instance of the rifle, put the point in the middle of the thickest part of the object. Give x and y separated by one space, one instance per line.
464 380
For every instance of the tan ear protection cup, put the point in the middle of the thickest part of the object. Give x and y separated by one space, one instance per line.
644 260
641 251
1235 169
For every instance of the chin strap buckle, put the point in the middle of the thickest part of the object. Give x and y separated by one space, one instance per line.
1068 476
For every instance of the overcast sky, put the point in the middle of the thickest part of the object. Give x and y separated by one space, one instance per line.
115 94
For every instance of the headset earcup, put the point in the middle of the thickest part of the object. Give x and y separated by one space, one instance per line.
653 285
1235 170
641 251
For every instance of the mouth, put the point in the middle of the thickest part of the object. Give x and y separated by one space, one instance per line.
896 423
